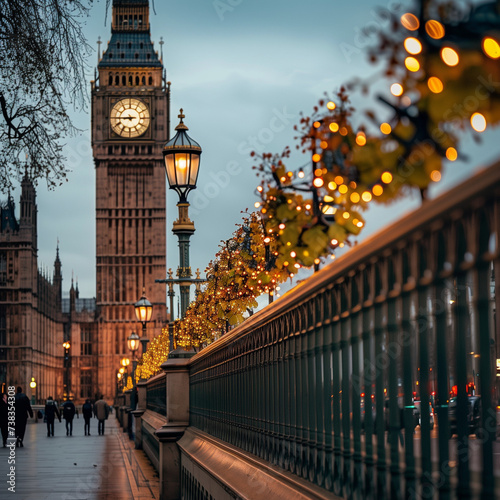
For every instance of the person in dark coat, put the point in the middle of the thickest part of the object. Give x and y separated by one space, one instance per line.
87 411
101 412
50 413
23 408
4 421
68 412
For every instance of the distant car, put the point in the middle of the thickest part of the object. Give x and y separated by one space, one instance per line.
473 414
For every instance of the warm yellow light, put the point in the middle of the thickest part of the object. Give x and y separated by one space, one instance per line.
377 190
355 197
360 224
385 128
282 226
301 174
491 47
410 21
323 144
328 199
267 240
435 84
316 157
334 127
293 254
331 105
343 189
317 261
449 56
451 154
386 178
318 182
346 215
434 29
332 186
317 124
334 242
343 131
366 196
412 64
435 175
396 89
412 46
318 172
361 139
256 204
339 179
308 207
478 122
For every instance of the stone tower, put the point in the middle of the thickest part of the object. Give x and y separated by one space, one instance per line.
130 124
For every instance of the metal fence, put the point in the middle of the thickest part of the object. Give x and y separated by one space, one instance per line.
376 377
156 395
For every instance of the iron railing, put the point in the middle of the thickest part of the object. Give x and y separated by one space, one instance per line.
347 380
156 395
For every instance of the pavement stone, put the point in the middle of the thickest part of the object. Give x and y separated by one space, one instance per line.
79 467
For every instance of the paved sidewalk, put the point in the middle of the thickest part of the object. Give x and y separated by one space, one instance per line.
78 467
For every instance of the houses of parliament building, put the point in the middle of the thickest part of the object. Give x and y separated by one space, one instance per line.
130 124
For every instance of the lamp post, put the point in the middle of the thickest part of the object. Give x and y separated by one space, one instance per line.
133 345
182 163
143 312
66 391
33 389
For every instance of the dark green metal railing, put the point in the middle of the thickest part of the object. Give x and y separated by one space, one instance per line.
348 379
156 395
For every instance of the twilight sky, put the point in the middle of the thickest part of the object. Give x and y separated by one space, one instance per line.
242 70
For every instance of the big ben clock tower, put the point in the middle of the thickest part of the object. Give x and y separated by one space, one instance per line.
130 124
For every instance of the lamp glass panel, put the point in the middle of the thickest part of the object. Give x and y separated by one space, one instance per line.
182 167
170 168
195 164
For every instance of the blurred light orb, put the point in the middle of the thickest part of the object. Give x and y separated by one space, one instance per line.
386 177
435 84
413 46
334 127
478 122
396 89
491 47
434 29
412 64
385 128
331 105
449 56
435 175
451 154
410 21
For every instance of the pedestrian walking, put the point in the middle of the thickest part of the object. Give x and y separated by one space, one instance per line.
87 415
50 413
68 412
22 410
4 421
101 412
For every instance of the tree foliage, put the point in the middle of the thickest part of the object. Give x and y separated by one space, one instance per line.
42 73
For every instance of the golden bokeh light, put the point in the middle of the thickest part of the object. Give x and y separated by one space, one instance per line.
318 182
386 178
491 47
331 105
332 185
343 189
410 21
451 154
435 175
361 139
366 196
412 64
434 29
316 157
355 197
339 179
377 190
385 128
317 124
449 56
412 46
435 84
478 122
334 127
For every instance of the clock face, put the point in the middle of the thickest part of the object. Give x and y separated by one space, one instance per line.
129 117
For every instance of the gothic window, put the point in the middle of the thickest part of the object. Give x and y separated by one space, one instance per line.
86 384
111 55
136 55
85 343
117 80
148 56
124 80
118 45
110 80
137 80
129 45
122 55
144 80
150 80
3 268
142 45
130 79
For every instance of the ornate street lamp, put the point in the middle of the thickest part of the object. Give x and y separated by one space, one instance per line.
33 390
143 312
182 163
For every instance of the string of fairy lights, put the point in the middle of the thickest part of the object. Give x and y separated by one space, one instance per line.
440 76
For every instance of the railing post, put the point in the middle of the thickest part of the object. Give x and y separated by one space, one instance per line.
177 397
139 412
